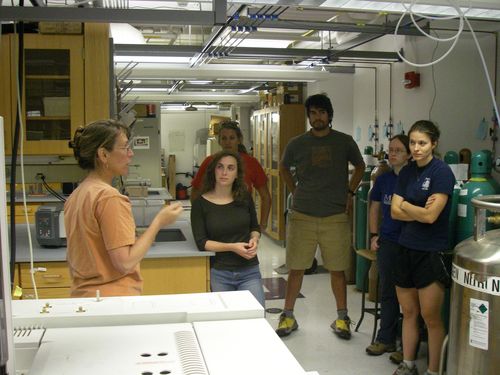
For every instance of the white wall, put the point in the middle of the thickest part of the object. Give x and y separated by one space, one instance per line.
180 127
244 112
339 89
462 97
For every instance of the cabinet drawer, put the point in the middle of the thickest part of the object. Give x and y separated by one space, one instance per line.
19 210
46 293
30 209
175 275
56 275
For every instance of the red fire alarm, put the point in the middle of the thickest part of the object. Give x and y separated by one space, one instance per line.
412 79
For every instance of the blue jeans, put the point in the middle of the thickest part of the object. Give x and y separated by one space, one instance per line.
389 305
247 278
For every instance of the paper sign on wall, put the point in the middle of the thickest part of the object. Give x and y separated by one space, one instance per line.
176 139
141 143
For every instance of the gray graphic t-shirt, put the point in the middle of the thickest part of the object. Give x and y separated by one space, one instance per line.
321 167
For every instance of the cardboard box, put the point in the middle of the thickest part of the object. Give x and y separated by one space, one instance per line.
292 99
280 99
137 191
60 27
56 106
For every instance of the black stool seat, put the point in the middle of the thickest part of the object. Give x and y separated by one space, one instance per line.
375 311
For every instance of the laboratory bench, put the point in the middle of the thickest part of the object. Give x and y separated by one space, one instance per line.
196 333
144 208
168 267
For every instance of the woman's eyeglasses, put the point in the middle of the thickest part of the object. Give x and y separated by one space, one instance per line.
397 151
127 148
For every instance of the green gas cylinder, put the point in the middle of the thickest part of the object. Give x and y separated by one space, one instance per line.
478 185
453 219
451 157
489 177
361 222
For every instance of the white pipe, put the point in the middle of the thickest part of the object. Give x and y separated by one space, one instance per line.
5 256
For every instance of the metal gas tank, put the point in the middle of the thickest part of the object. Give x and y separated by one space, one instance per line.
474 335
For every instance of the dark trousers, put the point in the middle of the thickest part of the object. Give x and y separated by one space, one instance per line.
389 305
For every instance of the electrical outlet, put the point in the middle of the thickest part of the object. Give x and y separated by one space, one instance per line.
39 176
497 162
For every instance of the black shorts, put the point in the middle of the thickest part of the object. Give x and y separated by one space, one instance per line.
418 269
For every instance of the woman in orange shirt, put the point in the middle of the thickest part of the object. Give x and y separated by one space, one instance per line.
103 251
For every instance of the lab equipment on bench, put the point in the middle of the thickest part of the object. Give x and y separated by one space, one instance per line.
49 222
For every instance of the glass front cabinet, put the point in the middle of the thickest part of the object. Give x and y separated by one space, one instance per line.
53 91
273 127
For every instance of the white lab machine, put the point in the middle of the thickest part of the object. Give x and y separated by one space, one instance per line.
191 334
186 334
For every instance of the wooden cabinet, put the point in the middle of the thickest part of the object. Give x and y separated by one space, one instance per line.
161 276
176 275
7 105
52 95
20 212
53 281
66 84
273 127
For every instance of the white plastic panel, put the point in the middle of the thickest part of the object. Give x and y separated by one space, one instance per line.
244 347
112 311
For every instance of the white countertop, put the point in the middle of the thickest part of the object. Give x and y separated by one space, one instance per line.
175 249
128 310
153 194
38 198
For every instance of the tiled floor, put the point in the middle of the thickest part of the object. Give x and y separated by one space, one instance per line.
313 344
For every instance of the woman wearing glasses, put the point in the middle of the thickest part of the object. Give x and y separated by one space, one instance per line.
231 139
103 251
384 238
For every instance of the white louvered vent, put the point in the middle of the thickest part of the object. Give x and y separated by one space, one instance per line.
189 353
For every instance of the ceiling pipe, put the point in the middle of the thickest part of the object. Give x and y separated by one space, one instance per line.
196 60
108 15
242 52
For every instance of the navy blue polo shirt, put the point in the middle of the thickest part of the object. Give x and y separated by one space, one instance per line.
416 184
383 188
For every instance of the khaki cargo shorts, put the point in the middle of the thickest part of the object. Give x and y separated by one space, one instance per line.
305 233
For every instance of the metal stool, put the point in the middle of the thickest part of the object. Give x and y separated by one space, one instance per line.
375 311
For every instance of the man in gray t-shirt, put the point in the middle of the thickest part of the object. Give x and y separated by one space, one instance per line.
322 200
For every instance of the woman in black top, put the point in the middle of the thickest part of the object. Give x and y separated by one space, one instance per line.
223 220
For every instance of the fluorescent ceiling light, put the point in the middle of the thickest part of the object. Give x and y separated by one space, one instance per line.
152 59
123 33
179 107
171 5
367 59
334 3
262 43
199 82
147 89
278 31
426 8
173 107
